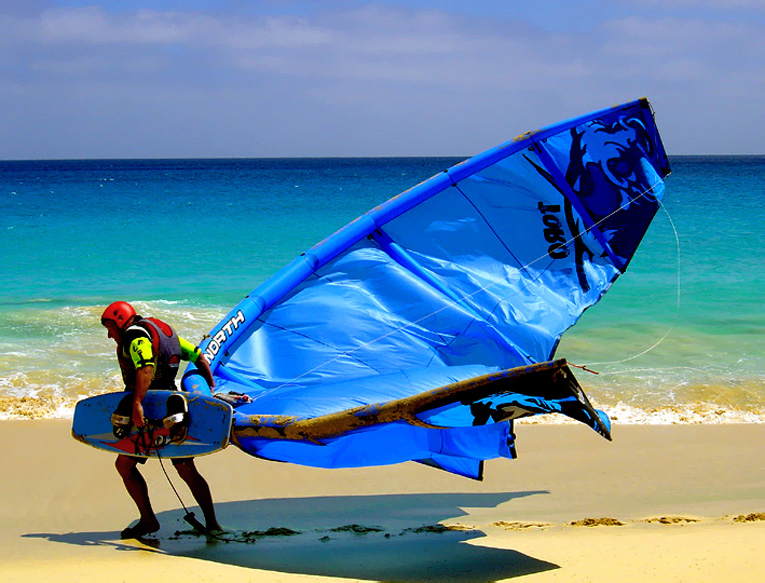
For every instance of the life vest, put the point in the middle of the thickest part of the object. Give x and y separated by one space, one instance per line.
166 349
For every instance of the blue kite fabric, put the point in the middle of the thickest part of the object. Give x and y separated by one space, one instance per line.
478 270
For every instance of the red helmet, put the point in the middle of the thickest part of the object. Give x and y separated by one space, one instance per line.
119 313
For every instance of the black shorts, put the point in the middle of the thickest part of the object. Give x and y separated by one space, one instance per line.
143 460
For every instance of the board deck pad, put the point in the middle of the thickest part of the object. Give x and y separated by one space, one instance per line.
208 431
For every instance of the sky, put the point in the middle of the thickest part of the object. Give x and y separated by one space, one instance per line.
329 78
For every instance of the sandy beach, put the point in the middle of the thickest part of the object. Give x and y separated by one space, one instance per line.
660 503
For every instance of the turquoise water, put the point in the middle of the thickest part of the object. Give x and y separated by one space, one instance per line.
186 239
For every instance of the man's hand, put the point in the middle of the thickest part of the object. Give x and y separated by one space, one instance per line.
138 413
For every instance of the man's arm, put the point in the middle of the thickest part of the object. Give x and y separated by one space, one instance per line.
141 354
204 368
192 352
143 378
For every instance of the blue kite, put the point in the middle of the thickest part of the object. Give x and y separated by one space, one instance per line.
424 328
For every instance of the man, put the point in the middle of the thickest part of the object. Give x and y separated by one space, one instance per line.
149 352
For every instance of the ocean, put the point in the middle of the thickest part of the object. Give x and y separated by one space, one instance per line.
679 338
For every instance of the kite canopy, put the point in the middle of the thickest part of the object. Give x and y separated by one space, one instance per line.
423 328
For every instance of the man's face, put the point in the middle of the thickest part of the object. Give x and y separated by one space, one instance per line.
114 332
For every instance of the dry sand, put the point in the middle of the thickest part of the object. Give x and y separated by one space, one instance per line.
660 503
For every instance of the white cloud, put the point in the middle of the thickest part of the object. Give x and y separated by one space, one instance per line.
698 4
636 37
92 25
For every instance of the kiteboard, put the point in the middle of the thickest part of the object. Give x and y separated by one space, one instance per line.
178 424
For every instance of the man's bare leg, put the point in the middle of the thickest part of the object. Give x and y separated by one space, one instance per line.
199 489
139 492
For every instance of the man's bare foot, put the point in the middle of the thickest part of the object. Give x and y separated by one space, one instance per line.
140 529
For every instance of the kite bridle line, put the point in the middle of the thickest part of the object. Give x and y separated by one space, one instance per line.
490 285
677 304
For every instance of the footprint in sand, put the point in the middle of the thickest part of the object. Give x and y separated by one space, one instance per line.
753 517
671 520
604 521
521 525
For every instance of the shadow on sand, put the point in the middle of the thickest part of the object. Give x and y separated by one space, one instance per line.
376 538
